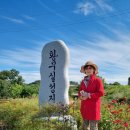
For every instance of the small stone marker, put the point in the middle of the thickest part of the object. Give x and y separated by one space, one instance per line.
54 73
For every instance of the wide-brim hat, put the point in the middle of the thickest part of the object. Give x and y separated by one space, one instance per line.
89 63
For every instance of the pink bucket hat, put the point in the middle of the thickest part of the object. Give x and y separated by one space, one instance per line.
87 64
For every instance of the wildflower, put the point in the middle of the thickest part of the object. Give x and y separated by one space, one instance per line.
128 107
124 98
128 110
126 124
120 110
114 101
117 121
115 112
110 106
122 102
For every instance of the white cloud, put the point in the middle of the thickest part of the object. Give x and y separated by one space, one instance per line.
97 7
112 57
14 20
50 9
111 78
30 76
21 57
104 6
28 17
27 61
85 8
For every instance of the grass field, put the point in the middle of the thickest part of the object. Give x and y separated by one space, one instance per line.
23 114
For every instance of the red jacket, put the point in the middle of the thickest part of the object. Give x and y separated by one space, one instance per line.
90 108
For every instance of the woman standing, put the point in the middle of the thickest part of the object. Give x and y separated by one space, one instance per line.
91 89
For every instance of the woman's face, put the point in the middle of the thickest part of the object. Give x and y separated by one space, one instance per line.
89 70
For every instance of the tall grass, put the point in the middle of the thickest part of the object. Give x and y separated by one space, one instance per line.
17 113
24 114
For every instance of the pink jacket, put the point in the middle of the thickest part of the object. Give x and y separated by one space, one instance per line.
90 108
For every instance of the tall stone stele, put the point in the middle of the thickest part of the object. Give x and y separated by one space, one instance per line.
54 73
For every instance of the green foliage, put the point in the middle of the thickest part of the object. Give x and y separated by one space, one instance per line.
116 83
73 90
48 110
24 114
12 76
21 114
5 89
16 90
17 113
37 82
114 91
73 83
29 90
12 85
10 82
119 113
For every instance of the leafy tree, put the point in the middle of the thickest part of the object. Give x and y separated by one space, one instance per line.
16 90
116 83
30 90
4 89
73 83
11 76
9 79
37 82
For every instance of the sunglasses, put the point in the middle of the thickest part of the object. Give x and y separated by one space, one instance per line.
88 68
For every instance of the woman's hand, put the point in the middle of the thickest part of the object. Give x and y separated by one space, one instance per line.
85 96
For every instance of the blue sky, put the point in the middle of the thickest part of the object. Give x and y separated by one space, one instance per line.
97 30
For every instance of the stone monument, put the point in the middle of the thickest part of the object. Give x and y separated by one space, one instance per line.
54 73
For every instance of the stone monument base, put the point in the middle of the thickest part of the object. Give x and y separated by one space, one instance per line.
67 120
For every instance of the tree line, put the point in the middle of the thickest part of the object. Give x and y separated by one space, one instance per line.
12 85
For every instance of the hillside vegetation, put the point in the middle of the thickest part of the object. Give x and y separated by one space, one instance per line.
19 108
